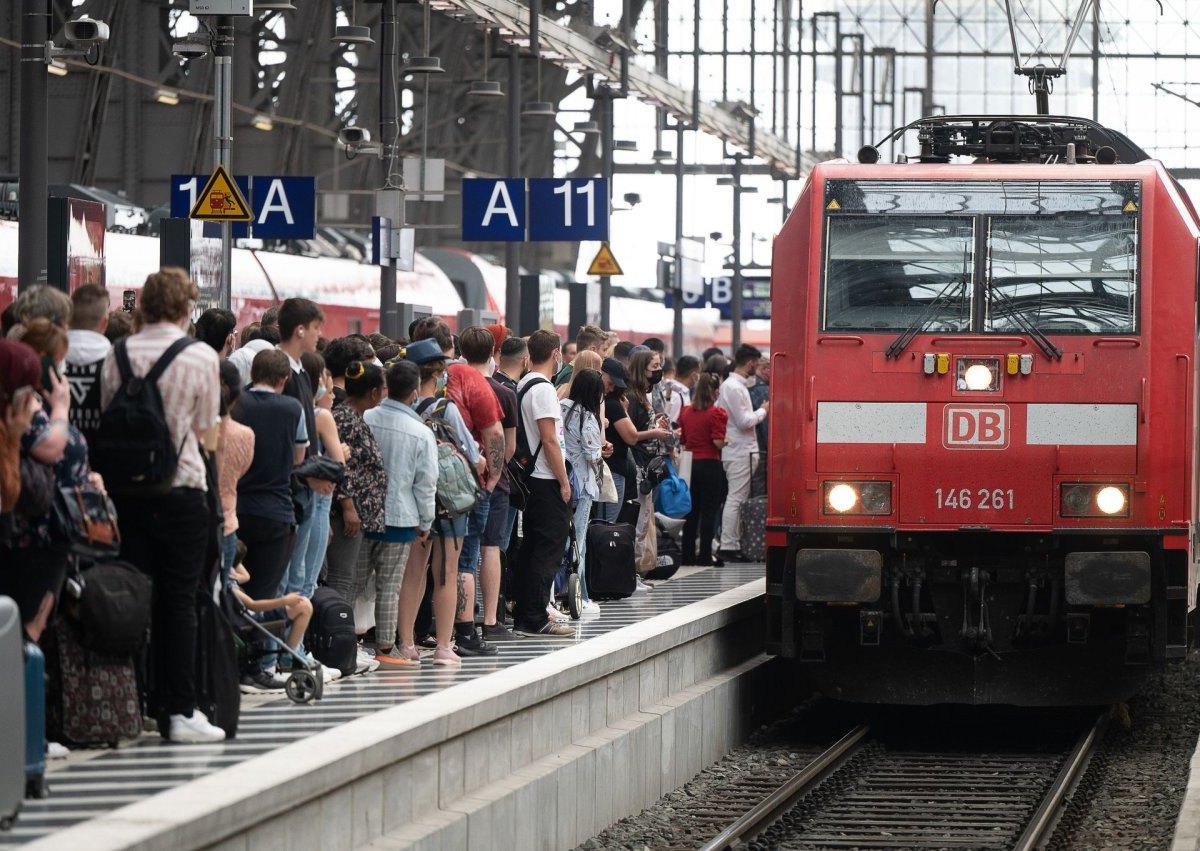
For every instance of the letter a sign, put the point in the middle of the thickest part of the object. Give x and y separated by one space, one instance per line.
493 210
220 200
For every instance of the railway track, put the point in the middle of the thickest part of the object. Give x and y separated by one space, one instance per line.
865 792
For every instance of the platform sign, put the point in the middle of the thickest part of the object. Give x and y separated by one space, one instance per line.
220 200
756 297
493 210
568 210
281 207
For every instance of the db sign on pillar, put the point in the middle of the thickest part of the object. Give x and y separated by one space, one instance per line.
493 210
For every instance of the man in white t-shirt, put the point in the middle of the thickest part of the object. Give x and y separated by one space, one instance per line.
547 511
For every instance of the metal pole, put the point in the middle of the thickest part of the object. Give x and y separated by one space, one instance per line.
389 132
736 304
32 259
677 289
512 250
927 92
606 157
223 139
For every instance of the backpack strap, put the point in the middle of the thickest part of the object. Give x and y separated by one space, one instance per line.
165 359
520 400
122 356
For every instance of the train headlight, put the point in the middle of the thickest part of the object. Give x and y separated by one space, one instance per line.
978 377
870 498
1085 499
977 374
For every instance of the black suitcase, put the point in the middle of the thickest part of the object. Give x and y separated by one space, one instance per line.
610 572
12 713
669 557
218 671
331 638
754 528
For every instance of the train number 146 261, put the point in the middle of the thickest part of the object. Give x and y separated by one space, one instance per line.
983 499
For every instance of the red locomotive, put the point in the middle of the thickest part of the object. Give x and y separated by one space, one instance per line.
983 481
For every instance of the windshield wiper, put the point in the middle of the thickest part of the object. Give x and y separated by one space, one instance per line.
923 320
1013 312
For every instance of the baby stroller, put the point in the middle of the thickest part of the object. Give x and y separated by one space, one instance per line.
257 639
568 583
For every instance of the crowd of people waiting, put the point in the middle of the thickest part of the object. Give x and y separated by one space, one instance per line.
327 457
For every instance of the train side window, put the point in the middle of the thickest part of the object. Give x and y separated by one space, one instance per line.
1066 273
882 273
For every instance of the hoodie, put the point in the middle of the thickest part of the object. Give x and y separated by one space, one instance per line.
85 356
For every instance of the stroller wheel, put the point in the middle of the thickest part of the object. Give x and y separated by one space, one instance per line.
574 596
303 687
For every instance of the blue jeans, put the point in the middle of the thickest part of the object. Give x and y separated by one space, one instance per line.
583 511
312 537
609 511
228 555
468 561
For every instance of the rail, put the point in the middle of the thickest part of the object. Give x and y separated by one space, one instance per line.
1042 824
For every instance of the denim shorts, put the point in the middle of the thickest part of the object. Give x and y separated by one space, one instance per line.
497 531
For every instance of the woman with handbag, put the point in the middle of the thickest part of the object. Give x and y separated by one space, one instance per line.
703 425
645 371
54 456
583 437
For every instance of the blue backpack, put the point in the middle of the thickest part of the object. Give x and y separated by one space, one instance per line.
672 497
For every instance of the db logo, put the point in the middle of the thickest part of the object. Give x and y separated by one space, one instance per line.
975 427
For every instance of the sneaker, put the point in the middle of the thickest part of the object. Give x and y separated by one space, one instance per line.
550 629
196 729
717 561
395 658
260 682
474 645
364 662
56 751
499 632
732 556
589 608
446 657
556 616
642 587
428 642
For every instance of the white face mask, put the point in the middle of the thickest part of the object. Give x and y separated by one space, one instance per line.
491 367
320 393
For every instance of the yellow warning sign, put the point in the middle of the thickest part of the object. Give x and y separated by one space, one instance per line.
605 263
220 200
833 205
1129 207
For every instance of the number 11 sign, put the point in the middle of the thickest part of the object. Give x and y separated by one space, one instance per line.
568 210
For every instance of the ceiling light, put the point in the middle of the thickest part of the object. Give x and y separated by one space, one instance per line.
169 97
262 122
539 109
627 145
587 128
274 6
485 89
424 65
352 35
57 67
661 154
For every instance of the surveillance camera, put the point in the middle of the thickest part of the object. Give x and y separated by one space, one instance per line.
633 199
354 136
191 47
85 32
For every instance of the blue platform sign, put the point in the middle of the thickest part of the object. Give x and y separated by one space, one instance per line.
493 210
284 207
718 293
568 210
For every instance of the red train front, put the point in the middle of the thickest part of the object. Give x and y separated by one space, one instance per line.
983 427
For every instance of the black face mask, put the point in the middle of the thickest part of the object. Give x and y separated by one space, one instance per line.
655 377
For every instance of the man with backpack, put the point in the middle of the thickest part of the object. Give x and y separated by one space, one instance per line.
540 452
161 397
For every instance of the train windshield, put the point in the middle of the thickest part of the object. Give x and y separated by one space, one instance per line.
1066 273
1003 256
886 272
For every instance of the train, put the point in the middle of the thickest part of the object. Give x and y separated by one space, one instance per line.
445 279
983 480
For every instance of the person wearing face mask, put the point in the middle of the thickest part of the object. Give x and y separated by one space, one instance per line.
738 454
312 537
645 371
166 536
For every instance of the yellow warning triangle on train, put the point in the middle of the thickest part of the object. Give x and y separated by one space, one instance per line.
221 200
833 205
1129 207
605 263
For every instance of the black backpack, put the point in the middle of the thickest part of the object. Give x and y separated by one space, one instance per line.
521 465
133 450
331 637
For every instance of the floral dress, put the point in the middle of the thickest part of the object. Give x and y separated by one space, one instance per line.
71 470
366 479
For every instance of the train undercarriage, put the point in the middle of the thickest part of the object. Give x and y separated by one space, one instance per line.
1068 618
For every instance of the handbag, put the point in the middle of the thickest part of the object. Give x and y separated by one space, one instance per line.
673 497
87 521
608 487
685 465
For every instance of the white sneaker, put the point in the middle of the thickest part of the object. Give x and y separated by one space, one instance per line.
54 750
556 616
365 662
195 730
589 608
642 587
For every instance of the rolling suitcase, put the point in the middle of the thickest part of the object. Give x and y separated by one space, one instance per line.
610 566
754 528
12 714
35 721
92 698
331 635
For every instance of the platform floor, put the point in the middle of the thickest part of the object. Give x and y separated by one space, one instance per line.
93 783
